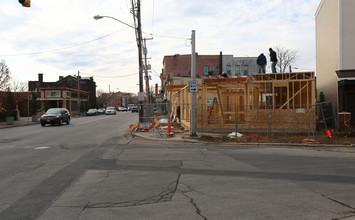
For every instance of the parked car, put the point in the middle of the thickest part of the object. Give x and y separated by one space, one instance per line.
122 109
55 116
101 111
110 111
130 107
134 109
92 112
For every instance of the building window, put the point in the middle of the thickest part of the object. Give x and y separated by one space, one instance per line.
237 69
212 70
245 70
205 70
229 69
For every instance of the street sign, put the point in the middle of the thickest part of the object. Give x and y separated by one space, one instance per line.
141 96
193 86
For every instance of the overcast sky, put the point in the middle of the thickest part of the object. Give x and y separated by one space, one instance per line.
60 38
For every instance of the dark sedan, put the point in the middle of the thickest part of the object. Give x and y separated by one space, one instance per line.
92 112
55 116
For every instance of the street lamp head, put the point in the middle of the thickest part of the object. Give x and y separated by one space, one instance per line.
97 17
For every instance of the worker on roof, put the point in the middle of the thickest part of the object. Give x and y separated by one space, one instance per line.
261 61
273 59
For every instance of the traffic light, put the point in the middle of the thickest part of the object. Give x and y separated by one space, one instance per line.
25 3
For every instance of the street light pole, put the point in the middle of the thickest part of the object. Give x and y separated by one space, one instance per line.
138 29
97 17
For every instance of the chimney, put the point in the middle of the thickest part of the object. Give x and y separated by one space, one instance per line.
40 78
60 77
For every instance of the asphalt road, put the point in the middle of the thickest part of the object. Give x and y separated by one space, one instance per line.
90 170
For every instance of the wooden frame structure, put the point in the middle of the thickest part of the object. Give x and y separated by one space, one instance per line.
278 101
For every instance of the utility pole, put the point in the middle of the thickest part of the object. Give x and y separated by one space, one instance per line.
78 93
145 51
193 78
136 11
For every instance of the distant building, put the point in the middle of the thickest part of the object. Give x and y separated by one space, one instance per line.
117 99
179 67
239 66
335 47
71 92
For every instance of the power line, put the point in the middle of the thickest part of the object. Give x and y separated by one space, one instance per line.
109 77
64 48
87 42
165 36
153 17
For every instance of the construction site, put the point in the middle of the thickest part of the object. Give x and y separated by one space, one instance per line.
275 102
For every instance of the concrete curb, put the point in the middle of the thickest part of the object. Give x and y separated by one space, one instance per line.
181 139
20 125
196 140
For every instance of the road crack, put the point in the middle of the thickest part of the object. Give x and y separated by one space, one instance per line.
164 196
336 201
192 201
347 214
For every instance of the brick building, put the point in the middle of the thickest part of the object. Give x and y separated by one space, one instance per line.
71 92
206 65
180 66
117 99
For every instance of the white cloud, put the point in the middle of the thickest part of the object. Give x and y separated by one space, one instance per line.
238 27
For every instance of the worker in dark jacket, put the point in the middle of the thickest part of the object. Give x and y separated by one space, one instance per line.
261 61
273 59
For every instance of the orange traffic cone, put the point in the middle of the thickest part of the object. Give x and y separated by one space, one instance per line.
169 133
329 133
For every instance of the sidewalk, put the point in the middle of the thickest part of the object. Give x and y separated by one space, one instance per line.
23 121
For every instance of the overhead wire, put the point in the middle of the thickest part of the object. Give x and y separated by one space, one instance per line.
64 48
112 77
104 36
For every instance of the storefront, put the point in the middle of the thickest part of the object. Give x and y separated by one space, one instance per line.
71 99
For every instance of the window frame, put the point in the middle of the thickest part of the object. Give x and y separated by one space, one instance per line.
205 70
229 69
245 69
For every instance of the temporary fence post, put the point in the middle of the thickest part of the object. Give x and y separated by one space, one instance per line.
235 117
324 119
309 120
335 117
201 109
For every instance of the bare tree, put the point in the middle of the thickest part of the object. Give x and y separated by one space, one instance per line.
5 75
17 85
99 92
285 57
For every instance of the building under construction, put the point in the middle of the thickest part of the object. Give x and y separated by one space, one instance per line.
258 102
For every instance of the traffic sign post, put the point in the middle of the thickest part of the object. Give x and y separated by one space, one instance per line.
193 86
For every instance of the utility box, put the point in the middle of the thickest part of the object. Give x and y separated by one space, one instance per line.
344 120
